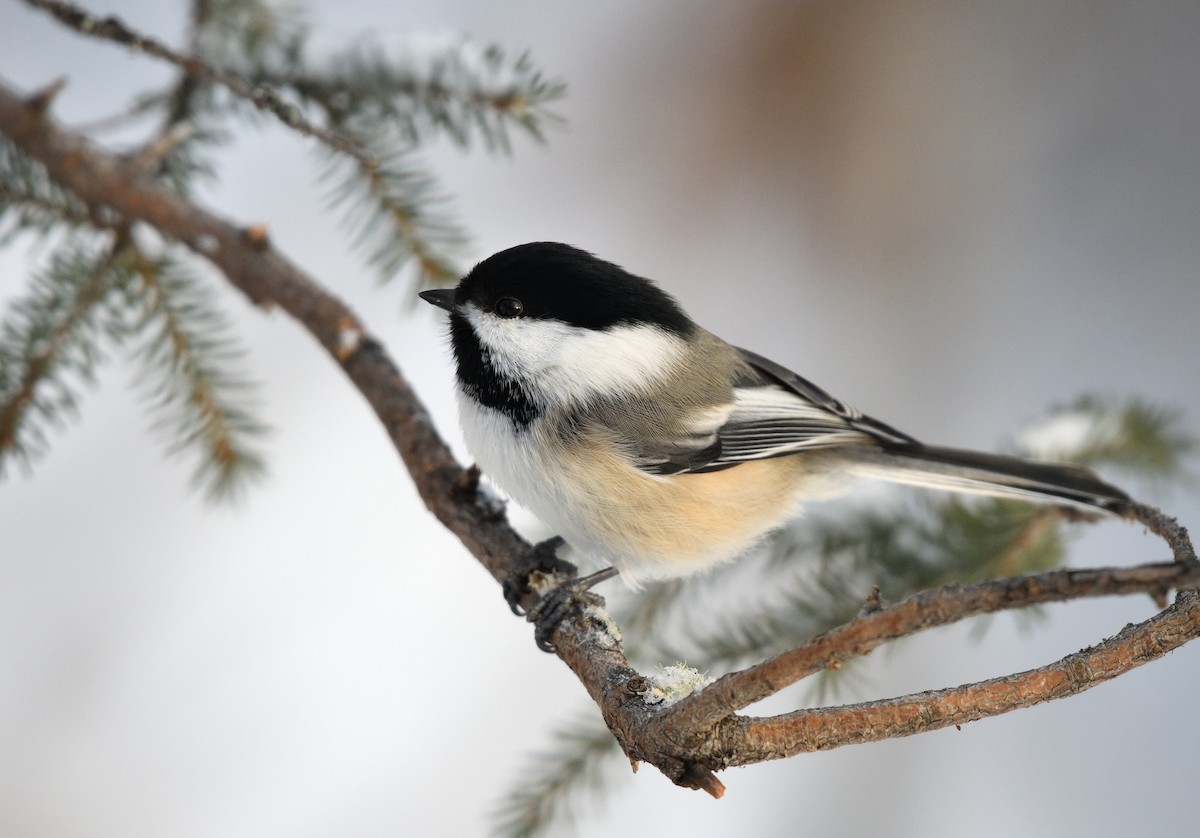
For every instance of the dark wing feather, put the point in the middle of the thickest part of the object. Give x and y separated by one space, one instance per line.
775 413
805 389
681 459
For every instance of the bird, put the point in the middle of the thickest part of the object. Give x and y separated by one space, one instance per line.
649 444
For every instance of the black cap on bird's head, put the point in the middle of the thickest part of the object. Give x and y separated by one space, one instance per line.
548 280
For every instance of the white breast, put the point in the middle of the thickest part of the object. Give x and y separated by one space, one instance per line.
518 462
521 464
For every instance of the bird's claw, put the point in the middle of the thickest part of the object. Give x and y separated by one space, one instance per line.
543 558
557 603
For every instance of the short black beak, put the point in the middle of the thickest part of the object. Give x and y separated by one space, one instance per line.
440 297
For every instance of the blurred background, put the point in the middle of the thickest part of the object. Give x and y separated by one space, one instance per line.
951 215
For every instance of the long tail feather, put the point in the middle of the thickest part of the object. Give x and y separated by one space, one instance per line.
993 474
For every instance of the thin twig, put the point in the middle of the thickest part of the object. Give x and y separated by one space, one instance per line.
751 740
926 610
262 96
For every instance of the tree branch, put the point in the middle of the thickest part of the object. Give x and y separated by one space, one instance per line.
926 610
753 740
109 184
700 734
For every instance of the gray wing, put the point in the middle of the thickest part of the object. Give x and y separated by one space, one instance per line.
774 413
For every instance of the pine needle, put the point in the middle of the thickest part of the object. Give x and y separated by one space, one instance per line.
30 202
50 342
1146 441
394 214
450 87
189 359
555 783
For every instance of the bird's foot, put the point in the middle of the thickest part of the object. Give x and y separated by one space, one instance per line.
556 603
543 560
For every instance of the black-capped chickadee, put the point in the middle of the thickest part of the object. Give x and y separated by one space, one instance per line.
650 444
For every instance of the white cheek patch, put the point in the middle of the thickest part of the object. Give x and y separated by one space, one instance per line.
623 359
516 351
559 362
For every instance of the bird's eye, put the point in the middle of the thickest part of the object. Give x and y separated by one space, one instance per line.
509 307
